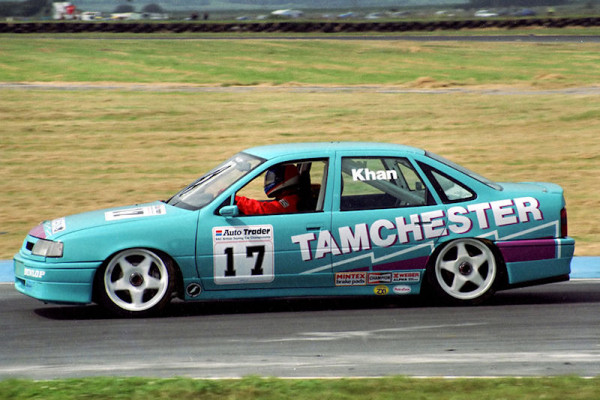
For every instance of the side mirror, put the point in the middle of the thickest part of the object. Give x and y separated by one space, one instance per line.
229 211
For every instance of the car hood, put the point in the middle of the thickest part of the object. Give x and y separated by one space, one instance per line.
56 228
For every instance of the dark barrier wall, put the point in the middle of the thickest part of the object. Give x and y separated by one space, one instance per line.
290 26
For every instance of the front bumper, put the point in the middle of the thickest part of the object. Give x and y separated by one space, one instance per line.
65 283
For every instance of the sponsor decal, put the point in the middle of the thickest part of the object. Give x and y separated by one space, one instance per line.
242 233
381 290
428 225
365 174
243 254
135 212
193 290
376 278
58 225
413 276
34 273
402 289
350 279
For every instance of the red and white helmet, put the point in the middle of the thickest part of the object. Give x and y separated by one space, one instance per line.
282 176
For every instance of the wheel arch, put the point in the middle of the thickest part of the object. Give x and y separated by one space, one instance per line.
502 274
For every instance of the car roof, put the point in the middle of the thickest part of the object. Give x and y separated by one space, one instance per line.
322 148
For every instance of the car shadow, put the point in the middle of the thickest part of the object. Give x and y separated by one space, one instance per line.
541 295
179 308
561 293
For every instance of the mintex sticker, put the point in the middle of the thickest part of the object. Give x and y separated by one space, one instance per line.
243 254
135 212
350 279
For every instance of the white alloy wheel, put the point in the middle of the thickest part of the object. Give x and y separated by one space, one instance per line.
465 270
137 281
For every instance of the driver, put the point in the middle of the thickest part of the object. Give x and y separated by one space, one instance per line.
281 183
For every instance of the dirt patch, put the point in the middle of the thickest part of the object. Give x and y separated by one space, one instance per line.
550 77
426 82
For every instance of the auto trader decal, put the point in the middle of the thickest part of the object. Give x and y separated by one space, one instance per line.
243 254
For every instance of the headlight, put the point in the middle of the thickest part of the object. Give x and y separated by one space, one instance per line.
47 248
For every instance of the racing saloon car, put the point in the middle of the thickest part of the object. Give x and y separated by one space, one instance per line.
371 219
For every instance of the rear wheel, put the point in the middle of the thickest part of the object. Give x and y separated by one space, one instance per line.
136 282
464 272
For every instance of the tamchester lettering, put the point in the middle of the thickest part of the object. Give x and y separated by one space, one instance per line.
418 227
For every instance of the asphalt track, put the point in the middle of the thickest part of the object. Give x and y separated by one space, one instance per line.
540 331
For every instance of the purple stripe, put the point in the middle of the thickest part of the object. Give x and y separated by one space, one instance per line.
528 250
415 263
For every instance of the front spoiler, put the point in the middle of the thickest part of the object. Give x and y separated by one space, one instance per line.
66 283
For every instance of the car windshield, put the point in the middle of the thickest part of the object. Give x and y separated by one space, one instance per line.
206 188
464 170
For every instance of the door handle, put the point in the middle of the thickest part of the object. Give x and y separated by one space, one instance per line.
314 227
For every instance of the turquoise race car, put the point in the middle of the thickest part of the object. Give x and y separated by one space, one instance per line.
315 219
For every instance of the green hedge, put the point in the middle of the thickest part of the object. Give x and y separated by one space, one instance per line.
291 26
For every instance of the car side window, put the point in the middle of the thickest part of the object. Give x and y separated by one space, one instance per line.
448 188
377 182
312 179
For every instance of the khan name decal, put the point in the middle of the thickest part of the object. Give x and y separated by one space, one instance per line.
365 174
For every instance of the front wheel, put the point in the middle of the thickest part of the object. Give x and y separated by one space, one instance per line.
464 272
136 282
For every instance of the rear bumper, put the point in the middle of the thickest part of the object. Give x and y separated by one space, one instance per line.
69 283
537 260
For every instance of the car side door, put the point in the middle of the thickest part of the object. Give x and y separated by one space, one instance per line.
385 223
265 251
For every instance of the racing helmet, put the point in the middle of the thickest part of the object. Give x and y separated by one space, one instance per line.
281 177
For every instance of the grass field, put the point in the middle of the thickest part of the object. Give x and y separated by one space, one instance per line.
66 151
313 62
252 388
